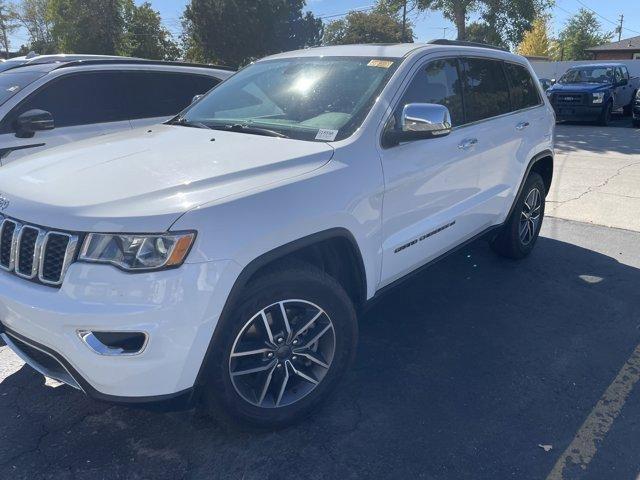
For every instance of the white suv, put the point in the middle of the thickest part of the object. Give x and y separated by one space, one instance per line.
50 100
228 252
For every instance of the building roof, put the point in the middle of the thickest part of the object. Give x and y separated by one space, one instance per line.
628 44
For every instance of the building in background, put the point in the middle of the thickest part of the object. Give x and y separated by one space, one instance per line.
626 49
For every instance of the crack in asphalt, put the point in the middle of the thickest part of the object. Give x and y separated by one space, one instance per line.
596 187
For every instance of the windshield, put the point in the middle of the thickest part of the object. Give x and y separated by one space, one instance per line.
588 75
7 64
322 99
12 82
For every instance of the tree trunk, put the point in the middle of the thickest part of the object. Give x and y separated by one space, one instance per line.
460 18
3 33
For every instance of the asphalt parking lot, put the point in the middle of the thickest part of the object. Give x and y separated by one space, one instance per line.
466 372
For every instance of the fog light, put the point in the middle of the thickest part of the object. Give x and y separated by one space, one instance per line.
114 343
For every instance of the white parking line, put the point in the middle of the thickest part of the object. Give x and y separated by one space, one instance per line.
585 444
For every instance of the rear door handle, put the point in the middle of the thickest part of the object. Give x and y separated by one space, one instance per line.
522 126
467 144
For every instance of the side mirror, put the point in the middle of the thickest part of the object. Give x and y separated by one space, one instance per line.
32 121
420 121
196 98
623 82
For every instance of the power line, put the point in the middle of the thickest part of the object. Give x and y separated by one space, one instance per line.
356 9
606 19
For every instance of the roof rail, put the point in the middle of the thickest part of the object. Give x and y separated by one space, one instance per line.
461 43
141 61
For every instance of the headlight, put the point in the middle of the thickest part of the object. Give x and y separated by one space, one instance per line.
137 252
597 97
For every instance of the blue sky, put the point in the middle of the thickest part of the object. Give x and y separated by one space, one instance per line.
431 24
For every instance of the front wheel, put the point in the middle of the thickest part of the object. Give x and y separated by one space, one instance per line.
282 351
521 230
605 116
628 109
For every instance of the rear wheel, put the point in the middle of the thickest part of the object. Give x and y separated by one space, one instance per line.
636 123
283 350
520 232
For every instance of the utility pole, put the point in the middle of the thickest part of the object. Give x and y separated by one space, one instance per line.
404 21
620 27
444 32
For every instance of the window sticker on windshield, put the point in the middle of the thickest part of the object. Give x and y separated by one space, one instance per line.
327 135
380 63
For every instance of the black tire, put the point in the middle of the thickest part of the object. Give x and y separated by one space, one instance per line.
294 280
605 116
509 242
628 109
636 123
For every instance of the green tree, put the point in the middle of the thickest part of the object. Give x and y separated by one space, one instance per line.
505 21
366 27
581 31
145 36
35 17
8 24
89 26
211 29
482 32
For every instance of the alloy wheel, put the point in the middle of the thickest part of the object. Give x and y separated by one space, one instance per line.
282 353
530 216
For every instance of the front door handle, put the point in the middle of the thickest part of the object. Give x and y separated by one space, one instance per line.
522 126
467 144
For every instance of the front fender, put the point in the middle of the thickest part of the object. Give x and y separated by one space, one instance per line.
248 226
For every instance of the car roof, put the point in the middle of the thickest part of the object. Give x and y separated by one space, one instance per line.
399 50
54 62
608 64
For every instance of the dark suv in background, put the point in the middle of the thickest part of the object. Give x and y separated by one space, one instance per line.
46 101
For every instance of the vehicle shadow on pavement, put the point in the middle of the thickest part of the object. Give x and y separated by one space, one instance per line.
461 373
620 138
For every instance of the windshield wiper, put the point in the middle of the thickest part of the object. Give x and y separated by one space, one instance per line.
252 130
183 122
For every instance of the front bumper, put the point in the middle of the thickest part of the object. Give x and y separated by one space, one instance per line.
178 310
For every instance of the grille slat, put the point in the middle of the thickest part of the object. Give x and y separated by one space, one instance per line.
27 250
36 253
7 229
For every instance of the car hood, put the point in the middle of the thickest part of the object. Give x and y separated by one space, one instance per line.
579 87
143 180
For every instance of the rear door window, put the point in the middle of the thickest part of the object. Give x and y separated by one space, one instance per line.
79 99
625 72
163 94
524 93
486 91
439 83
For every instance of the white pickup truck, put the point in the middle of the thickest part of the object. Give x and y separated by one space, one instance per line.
226 254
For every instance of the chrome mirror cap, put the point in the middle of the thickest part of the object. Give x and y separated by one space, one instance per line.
429 118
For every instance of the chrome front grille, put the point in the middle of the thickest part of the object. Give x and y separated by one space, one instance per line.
36 253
